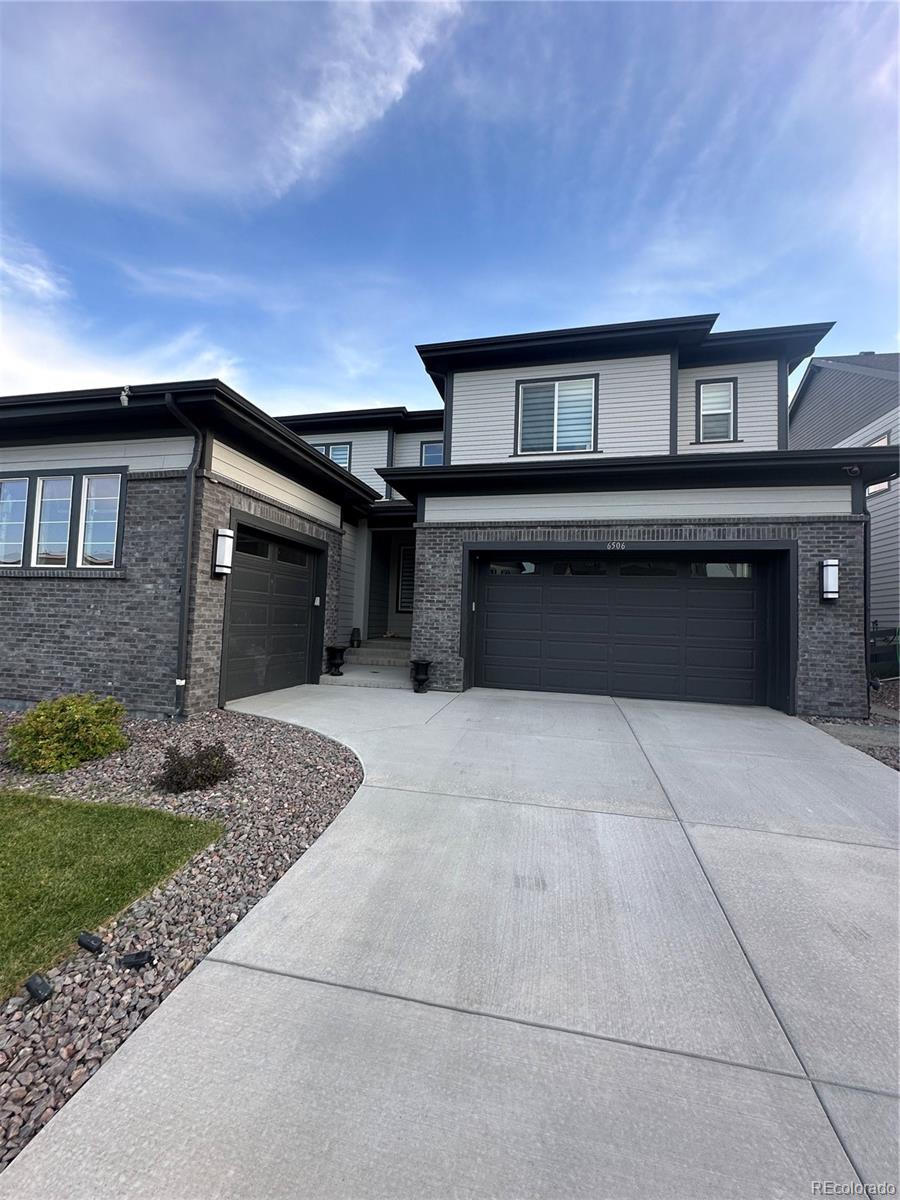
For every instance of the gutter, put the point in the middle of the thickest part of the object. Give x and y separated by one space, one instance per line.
184 605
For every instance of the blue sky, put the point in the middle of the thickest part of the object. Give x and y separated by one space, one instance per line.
290 196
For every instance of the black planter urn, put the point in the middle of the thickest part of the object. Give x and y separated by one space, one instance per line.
335 659
420 668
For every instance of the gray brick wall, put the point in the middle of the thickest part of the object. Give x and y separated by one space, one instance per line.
215 500
831 653
74 631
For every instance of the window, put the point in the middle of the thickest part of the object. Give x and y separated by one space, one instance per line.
249 543
99 520
432 454
580 566
53 515
721 570
556 416
291 554
13 502
717 410
338 452
648 568
512 568
406 579
884 440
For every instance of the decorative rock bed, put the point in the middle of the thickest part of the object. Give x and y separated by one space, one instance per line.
290 785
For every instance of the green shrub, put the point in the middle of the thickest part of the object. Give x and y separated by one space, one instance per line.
57 735
193 770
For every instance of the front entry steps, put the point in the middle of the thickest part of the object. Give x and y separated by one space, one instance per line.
377 663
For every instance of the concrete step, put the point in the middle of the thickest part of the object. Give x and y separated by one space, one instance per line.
356 675
370 656
386 643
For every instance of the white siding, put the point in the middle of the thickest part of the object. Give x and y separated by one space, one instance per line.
138 454
888 422
408 447
369 450
228 463
349 544
757 390
621 506
633 408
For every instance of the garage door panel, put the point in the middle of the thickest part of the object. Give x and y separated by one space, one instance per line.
716 659
651 685
648 655
580 624
512 648
290 586
515 593
742 629
512 675
569 678
591 653
724 690
253 578
509 619
723 599
586 598
247 613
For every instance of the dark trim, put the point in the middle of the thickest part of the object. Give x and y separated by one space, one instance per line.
429 442
184 600
858 495
420 509
518 452
329 445
77 475
238 516
399 418
722 468
867 606
411 549
699 384
782 404
673 401
388 491
448 417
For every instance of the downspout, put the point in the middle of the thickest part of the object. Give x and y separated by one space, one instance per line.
184 607
872 684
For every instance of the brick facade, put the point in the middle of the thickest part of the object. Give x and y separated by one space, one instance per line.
831 676
215 500
113 633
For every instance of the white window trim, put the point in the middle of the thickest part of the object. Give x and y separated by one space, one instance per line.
523 383
878 489
18 479
325 449
36 532
79 561
430 442
732 432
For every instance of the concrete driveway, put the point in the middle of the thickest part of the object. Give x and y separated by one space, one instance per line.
556 946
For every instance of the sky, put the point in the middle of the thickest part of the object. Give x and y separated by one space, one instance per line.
290 196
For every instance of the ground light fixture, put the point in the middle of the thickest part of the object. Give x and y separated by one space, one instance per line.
138 958
829 588
90 941
223 551
39 988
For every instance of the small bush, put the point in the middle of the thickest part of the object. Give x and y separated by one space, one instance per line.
193 770
57 735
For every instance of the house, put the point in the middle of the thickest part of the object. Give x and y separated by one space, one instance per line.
854 400
608 510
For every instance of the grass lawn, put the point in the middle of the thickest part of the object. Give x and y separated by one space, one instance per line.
67 866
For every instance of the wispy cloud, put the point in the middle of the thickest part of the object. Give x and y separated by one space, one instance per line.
101 97
26 273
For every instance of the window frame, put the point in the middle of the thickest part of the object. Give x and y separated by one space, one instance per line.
699 385
80 564
594 447
431 442
73 549
22 477
879 489
325 449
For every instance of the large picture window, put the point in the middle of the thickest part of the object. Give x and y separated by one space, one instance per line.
61 520
717 410
557 416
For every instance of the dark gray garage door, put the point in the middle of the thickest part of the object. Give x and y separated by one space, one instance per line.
268 630
675 628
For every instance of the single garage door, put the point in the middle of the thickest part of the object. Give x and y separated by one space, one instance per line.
672 628
270 615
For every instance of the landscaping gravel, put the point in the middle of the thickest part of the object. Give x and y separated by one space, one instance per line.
290 785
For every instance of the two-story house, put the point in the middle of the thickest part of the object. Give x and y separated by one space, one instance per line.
854 400
609 510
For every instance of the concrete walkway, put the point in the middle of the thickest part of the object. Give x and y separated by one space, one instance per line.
556 946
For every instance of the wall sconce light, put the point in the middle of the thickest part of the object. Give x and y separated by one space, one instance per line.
224 549
828 579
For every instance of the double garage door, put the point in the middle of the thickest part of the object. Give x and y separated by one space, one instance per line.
270 619
672 628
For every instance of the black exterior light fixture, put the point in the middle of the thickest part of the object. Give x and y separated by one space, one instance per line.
39 988
829 585
223 551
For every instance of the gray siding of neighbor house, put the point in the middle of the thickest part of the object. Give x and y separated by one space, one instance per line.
838 402
757 401
408 447
369 451
831 675
115 633
884 508
632 417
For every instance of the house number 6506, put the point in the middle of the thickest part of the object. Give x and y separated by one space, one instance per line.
615 545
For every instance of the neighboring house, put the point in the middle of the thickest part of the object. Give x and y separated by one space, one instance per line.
854 400
609 510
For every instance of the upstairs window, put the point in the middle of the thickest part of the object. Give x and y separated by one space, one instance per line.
338 452
557 416
432 454
717 410
13 502
884 440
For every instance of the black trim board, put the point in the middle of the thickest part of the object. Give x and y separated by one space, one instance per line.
448 417
782 404
781 552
